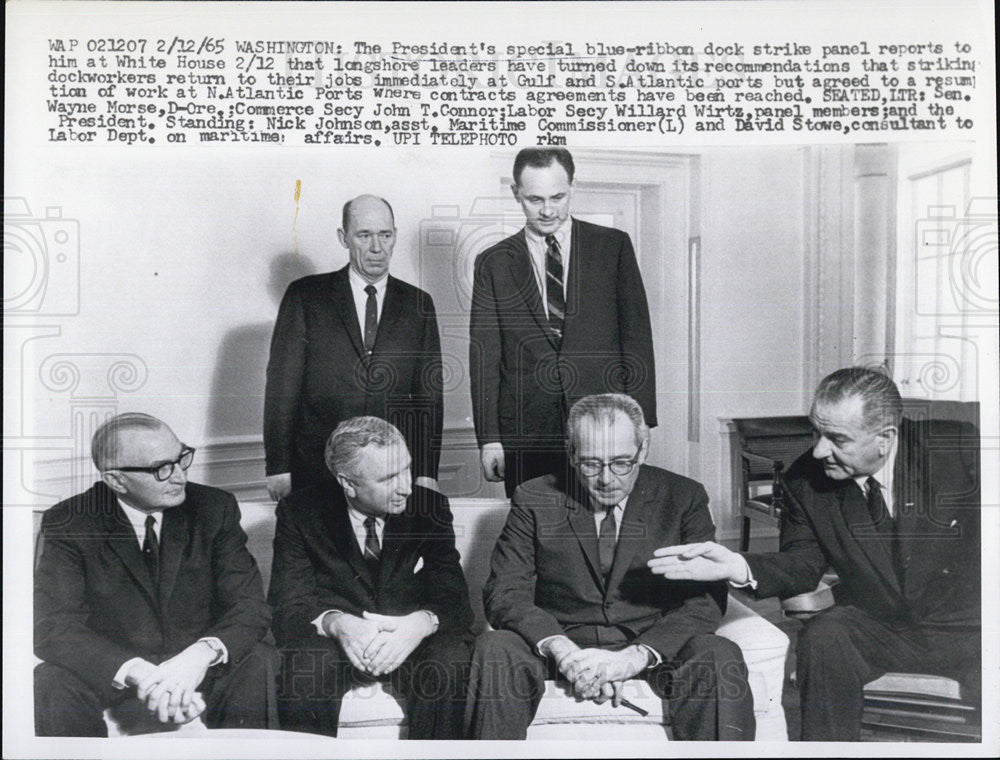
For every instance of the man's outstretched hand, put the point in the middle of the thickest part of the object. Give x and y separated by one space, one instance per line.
707 561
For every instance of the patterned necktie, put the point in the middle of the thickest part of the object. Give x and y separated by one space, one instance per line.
877 508
371 319
372 550
606 541
151 550
554 286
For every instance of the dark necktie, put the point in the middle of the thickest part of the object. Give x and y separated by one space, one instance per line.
371 319
606 541
372 550
877 508
151 550
554 286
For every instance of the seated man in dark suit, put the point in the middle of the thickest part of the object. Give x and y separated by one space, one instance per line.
367 584
145 588
570 594
893 506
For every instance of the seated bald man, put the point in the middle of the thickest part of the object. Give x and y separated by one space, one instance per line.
145 590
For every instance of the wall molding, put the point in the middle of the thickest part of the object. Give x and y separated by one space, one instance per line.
232 463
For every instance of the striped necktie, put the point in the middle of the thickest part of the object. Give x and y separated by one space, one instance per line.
554 286
373 552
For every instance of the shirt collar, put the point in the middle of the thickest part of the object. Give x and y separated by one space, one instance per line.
137 518
359 283
358 518
884 473
562 235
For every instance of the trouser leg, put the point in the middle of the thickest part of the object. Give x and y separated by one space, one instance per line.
435 680
243 694
315 676
65 705
505 686
707 692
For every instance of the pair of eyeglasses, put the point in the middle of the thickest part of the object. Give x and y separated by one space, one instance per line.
164 470
591 467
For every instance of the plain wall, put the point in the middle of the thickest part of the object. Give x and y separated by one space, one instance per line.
182 266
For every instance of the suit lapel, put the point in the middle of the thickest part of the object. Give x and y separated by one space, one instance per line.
398 534
523 275
121 539
581 521
392 310
173 542
339 528
343 305
632 530
914 500
857 523
574 277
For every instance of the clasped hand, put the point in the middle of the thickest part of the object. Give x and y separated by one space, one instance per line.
597 674
168 689
378 644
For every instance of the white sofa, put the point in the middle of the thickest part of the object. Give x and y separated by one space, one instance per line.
373 713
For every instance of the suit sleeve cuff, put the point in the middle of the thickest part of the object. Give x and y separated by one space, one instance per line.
318 622
751 582
657 657
221 652
538 647
435 623
119 680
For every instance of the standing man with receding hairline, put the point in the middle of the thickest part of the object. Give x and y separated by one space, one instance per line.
352 342
558 312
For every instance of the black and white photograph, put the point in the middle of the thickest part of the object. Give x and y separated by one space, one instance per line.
530 379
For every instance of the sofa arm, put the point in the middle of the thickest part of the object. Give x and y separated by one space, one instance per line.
764 648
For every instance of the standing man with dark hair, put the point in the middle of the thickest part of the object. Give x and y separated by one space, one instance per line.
893 506
352 342
145 589
367 585
558 312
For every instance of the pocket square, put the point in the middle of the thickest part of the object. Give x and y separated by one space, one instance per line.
420 564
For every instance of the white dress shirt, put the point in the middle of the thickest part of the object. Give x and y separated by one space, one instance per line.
599 517
137 519
885 478
358 285
361 535
538 249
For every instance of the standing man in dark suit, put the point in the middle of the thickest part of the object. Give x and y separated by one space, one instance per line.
352 342
569 593
558 313
893 506
367 584
145 588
